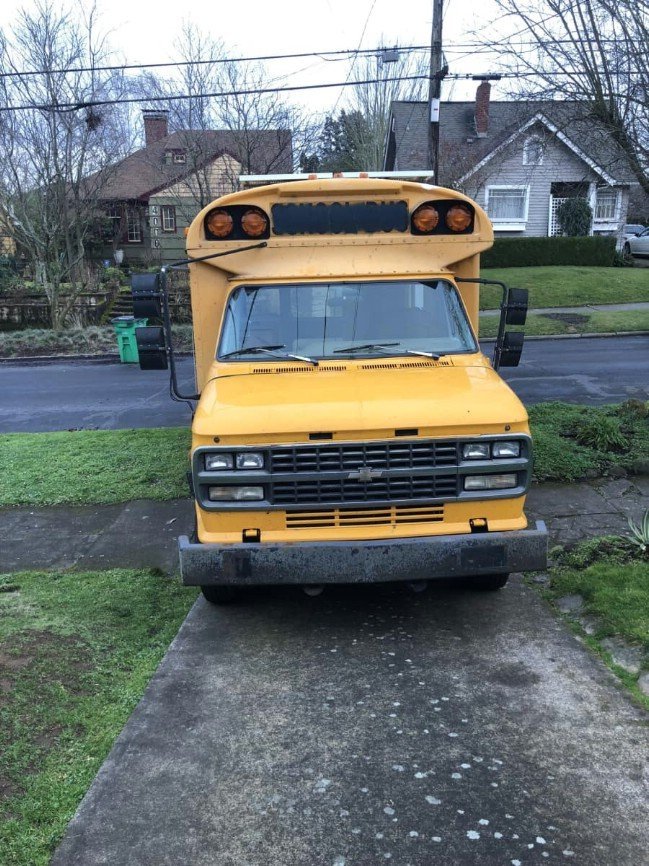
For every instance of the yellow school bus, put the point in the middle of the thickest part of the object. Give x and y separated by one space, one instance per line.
348 427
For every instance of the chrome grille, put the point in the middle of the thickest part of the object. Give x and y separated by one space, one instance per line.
423 454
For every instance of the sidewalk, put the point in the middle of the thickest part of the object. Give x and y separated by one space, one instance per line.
589 308
142 534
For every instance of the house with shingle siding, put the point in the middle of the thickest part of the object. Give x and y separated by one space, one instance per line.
150 197
518 160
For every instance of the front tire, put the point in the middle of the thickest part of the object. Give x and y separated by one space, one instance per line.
627 250
488 582
220 594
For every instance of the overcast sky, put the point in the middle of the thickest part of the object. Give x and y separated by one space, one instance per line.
144 31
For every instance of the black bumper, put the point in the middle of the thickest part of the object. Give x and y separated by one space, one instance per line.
439 556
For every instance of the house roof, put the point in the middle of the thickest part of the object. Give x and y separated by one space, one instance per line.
570 121
145 172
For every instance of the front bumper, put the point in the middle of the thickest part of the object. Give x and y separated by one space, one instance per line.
439 556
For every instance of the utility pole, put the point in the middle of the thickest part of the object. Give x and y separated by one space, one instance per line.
436 75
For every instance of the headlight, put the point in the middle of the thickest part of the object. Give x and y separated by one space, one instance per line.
214 462
250 460
230 493
476 451
506 449
490 482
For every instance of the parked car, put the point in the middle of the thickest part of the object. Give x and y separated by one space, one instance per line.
637 245
632 230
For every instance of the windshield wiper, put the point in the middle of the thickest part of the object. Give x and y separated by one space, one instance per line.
270 350
385 347
365 348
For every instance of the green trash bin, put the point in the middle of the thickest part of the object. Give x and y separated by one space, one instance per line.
125 332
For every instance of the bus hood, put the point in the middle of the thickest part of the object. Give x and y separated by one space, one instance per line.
451 399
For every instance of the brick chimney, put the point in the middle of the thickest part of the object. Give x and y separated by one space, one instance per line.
482 109
155 126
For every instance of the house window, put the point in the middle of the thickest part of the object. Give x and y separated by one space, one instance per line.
533 151
180 158
168 214
507 206
114 218
133 227
606 205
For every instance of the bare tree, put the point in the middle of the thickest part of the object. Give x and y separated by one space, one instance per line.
264 132
373 100
245 111
48 205
591 52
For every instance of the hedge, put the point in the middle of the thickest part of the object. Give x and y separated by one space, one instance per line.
530 252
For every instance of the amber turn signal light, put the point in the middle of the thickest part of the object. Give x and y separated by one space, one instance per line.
254 223
425 218
219 223
458 218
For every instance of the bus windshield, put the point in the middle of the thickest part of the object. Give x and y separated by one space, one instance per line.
361 319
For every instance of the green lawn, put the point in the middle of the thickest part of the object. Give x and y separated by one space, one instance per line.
613 579
105 466
568 323
569 286
95 466
76 653
572 441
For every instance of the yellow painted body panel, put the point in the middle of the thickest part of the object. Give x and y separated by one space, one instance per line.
360 256
226 528
268 402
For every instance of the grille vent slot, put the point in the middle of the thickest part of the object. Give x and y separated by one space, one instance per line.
389 516
399 365
303 369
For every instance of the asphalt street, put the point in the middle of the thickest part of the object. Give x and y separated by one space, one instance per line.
372 726
62 396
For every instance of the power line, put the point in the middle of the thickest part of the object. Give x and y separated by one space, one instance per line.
360 42
77 106
341 54
74 106
178 63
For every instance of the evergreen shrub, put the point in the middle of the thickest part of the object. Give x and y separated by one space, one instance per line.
534 252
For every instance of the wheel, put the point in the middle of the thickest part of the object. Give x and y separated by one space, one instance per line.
627 249
417 586
488 582
220 594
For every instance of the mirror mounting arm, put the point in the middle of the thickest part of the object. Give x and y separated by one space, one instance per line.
513 311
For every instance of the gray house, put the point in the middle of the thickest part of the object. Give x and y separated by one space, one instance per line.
519 160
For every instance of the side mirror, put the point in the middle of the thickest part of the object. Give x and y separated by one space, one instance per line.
510 353
146 290
151 348
517 302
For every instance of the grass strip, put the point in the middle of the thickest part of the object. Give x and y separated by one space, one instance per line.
107 466
612 577
569 286
76 653
554 324
93 466
572 442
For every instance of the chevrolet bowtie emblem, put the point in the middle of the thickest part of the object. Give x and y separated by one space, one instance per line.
365 474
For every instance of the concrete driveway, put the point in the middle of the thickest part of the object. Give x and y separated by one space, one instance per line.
373 726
